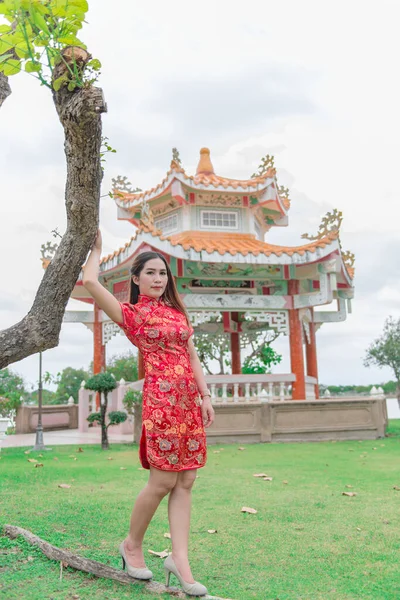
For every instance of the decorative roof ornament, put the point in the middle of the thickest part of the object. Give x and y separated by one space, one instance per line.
147 216
205 165
267 162
283 191
123 185
175 157
48 251
348 258
329 224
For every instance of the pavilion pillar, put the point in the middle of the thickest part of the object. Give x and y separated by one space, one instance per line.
296 346
99 349
141 371
311 356
235 347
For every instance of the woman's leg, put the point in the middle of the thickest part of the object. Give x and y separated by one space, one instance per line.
159 485
179 505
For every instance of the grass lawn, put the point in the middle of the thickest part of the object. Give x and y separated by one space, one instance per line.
307 541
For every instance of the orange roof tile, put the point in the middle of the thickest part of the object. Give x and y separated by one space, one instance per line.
223 243
204 176
241 243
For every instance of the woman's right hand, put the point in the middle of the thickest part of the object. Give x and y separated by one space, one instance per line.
98 241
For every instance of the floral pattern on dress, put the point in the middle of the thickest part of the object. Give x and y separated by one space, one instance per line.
173 436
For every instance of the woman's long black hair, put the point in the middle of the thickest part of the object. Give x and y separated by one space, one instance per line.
170 294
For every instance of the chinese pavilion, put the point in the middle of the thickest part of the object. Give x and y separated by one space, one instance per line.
211 230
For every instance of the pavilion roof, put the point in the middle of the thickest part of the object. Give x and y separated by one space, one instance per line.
195 243
241 243
204 179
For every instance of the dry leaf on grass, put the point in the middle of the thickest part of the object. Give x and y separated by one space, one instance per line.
260 475
80 450
32 460
267 478
358 528
216 451
211 531
39 465
123 468
167 535
349 486
110 458
349 494
140 469
40 455
27 452
285 482
246 509
162 554
55 458
241 448
64 485
396 487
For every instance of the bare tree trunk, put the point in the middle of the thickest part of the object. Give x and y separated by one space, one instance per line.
5 89
80 115
68 559
104 432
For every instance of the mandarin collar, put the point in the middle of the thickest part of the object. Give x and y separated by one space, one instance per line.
149 300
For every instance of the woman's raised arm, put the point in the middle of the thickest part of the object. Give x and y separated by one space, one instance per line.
103 298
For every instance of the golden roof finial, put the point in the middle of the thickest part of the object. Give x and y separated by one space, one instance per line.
205 165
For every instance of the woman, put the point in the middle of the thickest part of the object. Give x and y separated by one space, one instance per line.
173 441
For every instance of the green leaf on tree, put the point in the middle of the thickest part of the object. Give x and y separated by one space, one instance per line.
32 67
12 67
5 57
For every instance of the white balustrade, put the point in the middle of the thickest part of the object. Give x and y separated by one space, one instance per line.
227 389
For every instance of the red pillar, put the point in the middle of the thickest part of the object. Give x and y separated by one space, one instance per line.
235 348
311 356
140 366
99 350
296 346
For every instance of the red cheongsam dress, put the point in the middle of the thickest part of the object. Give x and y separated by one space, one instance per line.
173 436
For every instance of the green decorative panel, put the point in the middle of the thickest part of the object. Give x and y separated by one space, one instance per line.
280 288
200 270
173 265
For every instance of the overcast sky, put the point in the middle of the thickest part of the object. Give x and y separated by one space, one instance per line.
314 83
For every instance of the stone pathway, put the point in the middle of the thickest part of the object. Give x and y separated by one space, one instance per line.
62 438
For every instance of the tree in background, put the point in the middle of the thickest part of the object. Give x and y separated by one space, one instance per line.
385 350
104 383
40 38
124 366
215 348
262 361
12 392
68 384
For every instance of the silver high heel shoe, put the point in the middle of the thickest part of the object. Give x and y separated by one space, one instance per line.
192 589
133 571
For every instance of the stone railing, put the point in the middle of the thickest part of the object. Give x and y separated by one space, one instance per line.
54 416
228 389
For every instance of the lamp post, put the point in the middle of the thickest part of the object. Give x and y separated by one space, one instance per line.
39 445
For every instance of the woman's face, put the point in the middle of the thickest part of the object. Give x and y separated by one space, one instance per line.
152 279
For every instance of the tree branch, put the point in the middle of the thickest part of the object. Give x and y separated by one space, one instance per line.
68 559
80 115
5 89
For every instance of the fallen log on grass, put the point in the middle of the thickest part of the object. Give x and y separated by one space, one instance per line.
80 563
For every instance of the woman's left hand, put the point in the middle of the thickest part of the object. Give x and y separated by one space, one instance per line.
207 412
